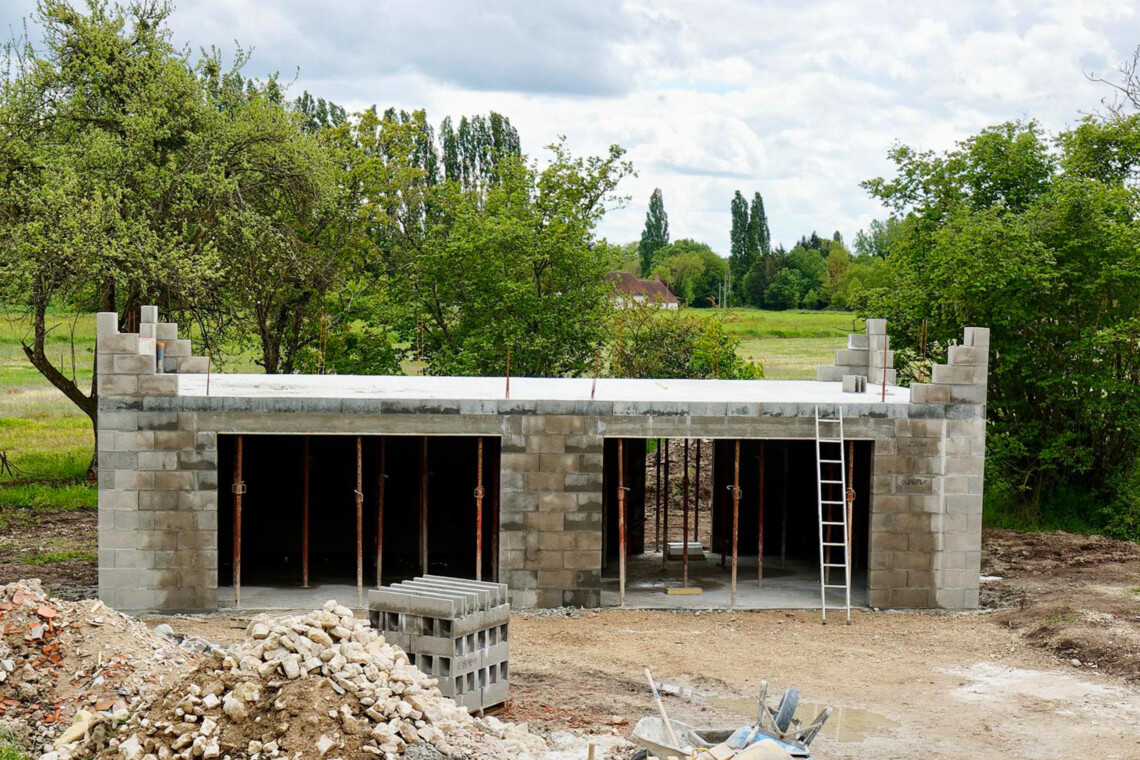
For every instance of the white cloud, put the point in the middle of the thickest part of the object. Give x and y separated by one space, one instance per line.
797 100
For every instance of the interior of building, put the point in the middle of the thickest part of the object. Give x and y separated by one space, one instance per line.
684 488
417 513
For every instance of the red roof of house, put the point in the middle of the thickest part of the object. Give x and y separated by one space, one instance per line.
653 290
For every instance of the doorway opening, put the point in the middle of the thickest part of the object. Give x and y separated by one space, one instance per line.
342 513
679 492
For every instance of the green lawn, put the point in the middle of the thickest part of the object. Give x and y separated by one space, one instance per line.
788 343
45 438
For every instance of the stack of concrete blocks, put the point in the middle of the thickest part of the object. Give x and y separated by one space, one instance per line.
157 474
550 518
926 520
454 630
864 360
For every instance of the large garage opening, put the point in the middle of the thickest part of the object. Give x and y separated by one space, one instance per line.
680 515
333 515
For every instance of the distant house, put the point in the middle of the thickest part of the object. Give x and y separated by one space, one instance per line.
631 290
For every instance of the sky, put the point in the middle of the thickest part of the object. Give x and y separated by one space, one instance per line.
797 100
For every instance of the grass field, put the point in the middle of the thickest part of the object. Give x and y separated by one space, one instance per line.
44 438
788 343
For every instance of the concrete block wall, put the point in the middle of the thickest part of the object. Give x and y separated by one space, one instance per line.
550 510
926 521
157 474
864 355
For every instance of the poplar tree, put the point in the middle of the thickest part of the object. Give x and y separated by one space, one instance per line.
742 252
656 233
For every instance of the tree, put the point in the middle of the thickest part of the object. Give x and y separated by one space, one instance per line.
786 290
741 255
693 269
651 342
760 238
877 239
1002 234
513 265
130 174
656 233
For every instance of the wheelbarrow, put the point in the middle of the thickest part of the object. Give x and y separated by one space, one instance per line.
775 729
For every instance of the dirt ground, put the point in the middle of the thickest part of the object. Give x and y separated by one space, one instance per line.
26 538
1050 665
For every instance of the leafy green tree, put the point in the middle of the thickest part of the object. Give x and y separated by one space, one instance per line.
651 342
760 238
513 265
693 269
786 289
744 245
1044 250
129 174
877 239
470 153
656 233
811 265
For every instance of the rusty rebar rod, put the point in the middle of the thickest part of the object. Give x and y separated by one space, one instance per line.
665 512
697 497
784 509
380 484
760 520
305 514
359 521
735 524
621 525
479 511
424 504
657 499
238 489
685 516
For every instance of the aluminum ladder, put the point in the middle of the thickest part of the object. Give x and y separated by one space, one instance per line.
829 455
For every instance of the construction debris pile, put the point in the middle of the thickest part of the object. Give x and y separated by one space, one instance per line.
320 685
59 659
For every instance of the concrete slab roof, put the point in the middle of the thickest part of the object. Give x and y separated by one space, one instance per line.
430 388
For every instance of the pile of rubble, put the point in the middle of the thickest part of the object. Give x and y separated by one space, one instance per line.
59 659
320 685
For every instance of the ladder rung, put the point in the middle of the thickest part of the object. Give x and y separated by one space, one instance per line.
825 522
831 501
835 482
832 585
831 461
833 564
833 543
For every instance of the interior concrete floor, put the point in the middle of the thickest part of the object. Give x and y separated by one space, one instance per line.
794 586
293 597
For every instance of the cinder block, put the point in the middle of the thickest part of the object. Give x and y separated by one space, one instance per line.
177 348
978 337
106 323
967 394
192 365
127 364
855 357
166 331
148 315
146 330
967 356
118 385
877 359
876 327
158 385
857 340
829 373
158 460
546 444
118 343
926 393
947 374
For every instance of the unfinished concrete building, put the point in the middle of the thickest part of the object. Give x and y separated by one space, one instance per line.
255 490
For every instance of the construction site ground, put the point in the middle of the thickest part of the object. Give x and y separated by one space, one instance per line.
1050 668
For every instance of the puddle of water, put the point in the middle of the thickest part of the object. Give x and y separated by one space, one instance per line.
846 724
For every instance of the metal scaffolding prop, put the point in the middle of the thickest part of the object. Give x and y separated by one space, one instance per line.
621 489
238 490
